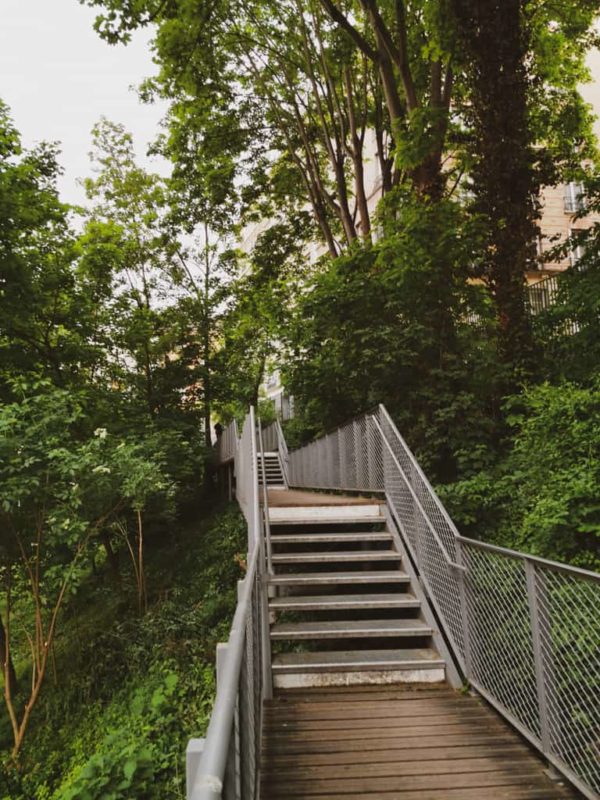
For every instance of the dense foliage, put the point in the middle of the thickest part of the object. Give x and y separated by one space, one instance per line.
125 333
126 692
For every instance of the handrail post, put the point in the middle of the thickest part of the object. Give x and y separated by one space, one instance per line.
536 610
464 609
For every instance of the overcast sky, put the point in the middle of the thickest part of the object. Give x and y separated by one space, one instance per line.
59 78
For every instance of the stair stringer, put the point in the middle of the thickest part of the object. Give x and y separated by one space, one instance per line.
453 675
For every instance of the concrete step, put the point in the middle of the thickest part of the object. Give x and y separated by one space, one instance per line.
337 578
309 515
355 667
350 629
343 602
331 538
333 557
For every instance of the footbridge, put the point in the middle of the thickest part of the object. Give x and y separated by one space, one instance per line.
377 653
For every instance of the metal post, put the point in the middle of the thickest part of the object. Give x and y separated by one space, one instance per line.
193 754
357 454
342 452
461 577
538 656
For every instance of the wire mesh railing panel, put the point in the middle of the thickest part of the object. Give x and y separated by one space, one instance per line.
428 499
433 563
229 765
227 443
248 717
570 644
500 633
270 437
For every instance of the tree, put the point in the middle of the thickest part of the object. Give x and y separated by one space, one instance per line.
527 123
46 476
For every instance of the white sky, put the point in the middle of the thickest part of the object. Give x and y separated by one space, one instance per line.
58 78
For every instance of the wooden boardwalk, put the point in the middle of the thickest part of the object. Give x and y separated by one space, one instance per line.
396 743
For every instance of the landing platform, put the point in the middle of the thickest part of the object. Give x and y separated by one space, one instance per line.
292 498
396 743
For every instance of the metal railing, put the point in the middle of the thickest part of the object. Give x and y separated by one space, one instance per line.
543 295
269 437
274 440
227 444
524 631
225 765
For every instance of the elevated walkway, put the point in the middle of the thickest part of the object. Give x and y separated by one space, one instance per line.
409 736
365 616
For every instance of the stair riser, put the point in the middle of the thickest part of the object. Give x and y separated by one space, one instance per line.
338 635
306 680
332 557
358 539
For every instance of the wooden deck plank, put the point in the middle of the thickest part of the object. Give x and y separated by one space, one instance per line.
404 769
465 780
433 753
345 744
351 747
298 727
500 793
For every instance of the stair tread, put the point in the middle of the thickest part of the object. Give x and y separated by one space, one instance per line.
333 556
382 600
331 538
351 628
409 658
375 576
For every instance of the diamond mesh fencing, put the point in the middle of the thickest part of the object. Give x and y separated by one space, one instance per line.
570 649
526 632
501 646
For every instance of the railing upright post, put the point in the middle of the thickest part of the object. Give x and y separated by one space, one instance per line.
464 609
342 452
536 611
358 461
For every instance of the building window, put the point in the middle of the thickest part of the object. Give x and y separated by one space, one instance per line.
574 197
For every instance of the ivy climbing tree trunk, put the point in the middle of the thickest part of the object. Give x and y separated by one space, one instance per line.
496 43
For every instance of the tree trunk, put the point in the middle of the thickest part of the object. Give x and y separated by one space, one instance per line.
496 41
7 663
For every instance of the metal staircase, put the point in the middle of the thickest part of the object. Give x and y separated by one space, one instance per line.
345 611
343 592
269 465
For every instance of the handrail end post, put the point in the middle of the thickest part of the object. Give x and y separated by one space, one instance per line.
193 755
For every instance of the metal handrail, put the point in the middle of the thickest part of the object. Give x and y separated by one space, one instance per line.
284 454
266 520
228 768
208 784
416 500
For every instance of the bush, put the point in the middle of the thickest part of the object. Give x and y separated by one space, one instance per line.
542 497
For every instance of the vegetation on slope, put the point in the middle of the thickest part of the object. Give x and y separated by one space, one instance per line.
126 693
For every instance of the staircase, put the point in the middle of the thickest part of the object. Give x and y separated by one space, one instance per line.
273 470
343 609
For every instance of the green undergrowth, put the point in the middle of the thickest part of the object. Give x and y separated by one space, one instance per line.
125 694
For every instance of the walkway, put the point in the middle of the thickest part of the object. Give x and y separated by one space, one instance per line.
396 743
